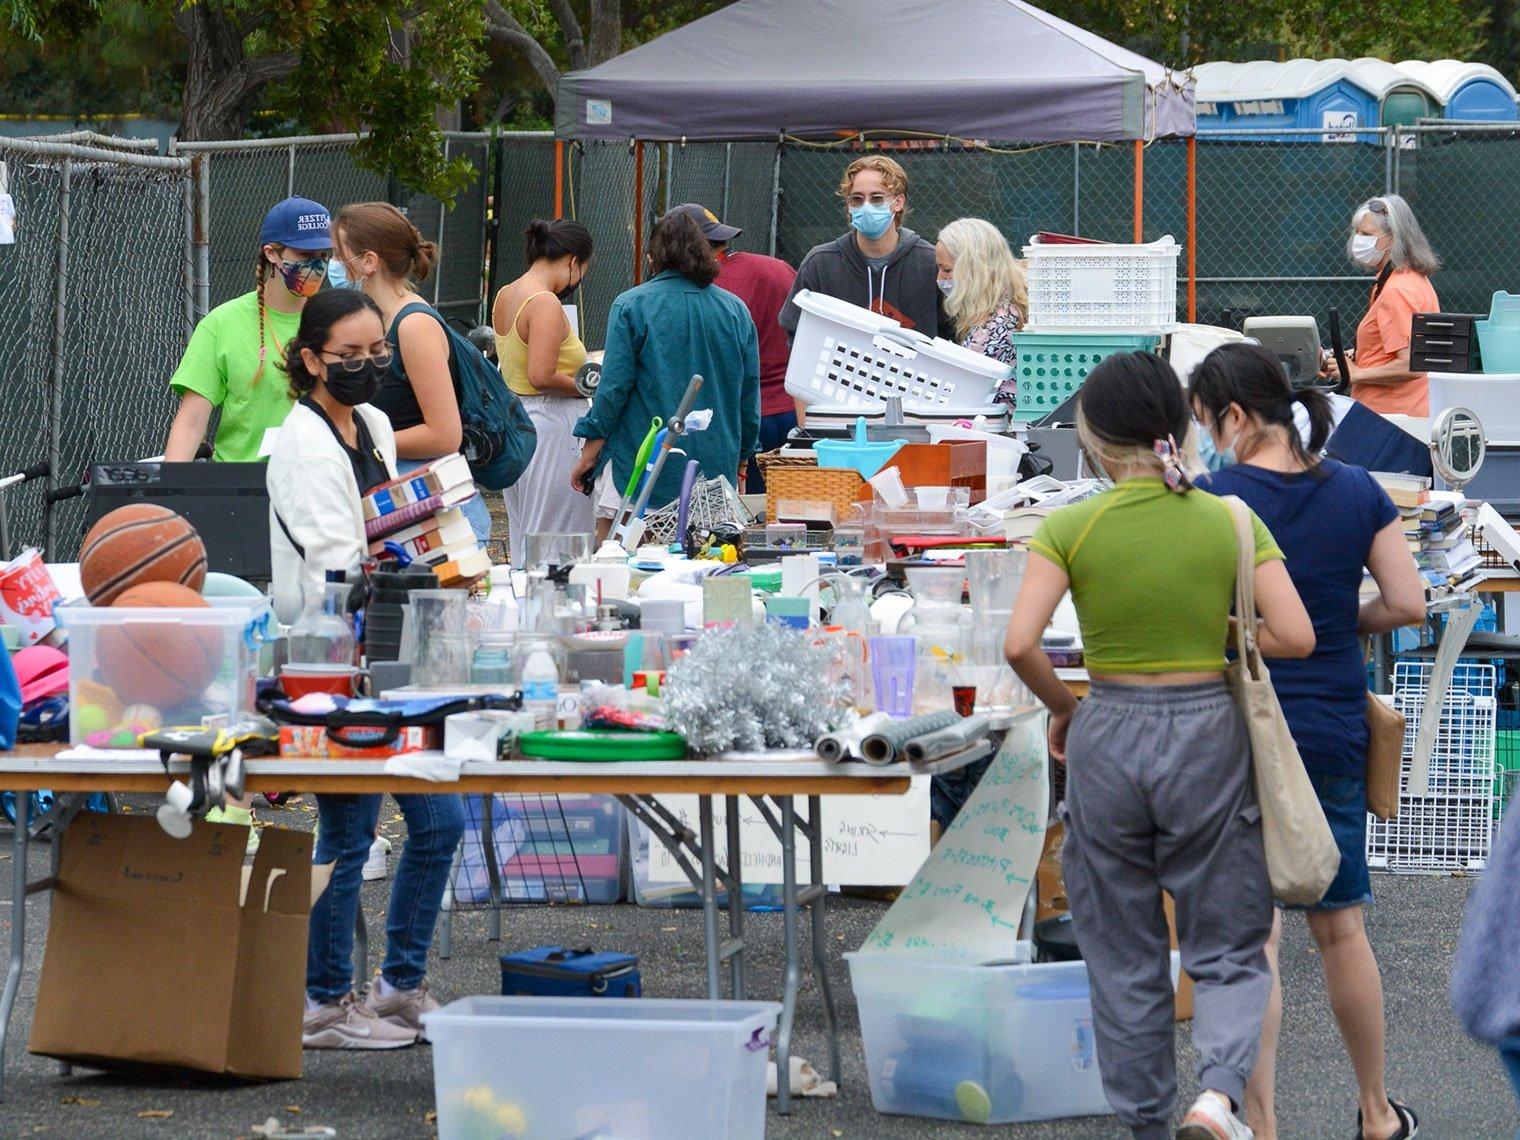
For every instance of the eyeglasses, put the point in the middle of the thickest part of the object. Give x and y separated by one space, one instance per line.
355 363
855 201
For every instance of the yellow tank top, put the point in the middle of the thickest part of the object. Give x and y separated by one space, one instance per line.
512 352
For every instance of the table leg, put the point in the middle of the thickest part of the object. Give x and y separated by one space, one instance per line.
820 945
789 942
493 870
55 851
709 898
18 925
734 864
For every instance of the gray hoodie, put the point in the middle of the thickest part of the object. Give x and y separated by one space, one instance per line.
903 289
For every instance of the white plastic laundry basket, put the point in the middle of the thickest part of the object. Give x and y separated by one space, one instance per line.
1109 286
849 356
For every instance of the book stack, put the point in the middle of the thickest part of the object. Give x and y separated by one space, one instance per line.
1447 558
420 513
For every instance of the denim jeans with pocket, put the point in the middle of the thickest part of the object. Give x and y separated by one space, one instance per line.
434 827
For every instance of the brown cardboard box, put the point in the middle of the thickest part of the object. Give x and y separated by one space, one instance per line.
169 954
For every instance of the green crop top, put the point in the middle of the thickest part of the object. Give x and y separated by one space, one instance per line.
1152 575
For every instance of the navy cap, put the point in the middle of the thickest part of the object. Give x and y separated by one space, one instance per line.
299 223
712 228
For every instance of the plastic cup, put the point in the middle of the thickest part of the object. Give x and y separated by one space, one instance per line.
993 578
892 665
441 642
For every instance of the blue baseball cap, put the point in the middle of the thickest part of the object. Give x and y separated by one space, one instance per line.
299 223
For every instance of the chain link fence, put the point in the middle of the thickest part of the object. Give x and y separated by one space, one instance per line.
98 284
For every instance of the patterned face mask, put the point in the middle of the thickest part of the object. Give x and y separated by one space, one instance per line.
303 278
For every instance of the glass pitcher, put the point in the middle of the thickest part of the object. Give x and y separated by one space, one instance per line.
936 622
324 633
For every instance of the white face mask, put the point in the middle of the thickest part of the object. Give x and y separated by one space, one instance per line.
1364 250
946 284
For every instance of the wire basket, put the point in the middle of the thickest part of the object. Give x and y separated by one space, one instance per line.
714 503
1451 828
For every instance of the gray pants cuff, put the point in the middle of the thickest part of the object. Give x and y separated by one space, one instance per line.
1152 1130
1224 1080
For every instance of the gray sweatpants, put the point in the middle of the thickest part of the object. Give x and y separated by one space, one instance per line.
1159 796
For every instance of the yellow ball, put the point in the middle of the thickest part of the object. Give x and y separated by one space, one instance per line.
512 1120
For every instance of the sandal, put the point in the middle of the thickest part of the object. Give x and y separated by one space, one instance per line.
1409 1123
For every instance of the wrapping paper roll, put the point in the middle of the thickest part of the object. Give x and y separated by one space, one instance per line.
845 743
883 745
946 741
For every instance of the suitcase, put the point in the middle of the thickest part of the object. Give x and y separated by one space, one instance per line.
564 971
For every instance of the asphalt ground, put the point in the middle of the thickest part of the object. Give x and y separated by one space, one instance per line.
1457 1087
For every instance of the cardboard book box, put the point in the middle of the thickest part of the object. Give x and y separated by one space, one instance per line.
170 955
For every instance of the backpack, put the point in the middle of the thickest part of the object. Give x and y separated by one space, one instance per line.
499 437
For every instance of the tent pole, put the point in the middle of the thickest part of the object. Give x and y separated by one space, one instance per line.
638 212
1192 228
1139 191
559 178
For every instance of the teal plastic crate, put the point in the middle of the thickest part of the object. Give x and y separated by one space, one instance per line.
1052 366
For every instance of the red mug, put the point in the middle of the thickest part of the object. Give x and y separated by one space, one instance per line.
340 680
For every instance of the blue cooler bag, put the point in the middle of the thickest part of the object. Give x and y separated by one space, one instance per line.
563 971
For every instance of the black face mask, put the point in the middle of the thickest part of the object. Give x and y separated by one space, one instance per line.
354 388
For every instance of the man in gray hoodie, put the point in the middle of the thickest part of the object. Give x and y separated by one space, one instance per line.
879 264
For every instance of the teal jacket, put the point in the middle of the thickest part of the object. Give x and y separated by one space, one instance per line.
658 335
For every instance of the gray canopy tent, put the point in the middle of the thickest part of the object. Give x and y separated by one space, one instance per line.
987 69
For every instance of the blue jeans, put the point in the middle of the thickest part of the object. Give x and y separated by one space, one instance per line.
474 509
773 432
434 826
1509 1052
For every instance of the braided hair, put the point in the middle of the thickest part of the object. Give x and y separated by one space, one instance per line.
261 269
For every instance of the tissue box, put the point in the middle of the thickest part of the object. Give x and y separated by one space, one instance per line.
312 740
487 734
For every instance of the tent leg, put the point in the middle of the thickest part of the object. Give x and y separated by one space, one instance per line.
1139 191
1192 228
559 178
638 212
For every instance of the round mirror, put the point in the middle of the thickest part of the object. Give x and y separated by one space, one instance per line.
1457 446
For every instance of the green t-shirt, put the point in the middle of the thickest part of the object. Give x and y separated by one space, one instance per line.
1152 575
220 363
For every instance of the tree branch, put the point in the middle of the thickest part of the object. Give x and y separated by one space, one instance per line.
503 27
570 28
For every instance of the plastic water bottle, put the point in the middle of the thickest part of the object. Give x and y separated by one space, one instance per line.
540 686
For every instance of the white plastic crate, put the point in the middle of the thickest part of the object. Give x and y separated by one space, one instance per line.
987 1044
1110 286
1452 828
519 1068
1495 400
851 357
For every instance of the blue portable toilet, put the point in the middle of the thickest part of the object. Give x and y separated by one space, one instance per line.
1466 92
1301 94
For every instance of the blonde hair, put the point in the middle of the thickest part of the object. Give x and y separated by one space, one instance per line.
893 177
986 275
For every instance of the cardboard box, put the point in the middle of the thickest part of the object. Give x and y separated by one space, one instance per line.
307 740
169 954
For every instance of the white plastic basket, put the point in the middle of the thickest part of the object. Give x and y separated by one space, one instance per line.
1452 828
847 355
1109 286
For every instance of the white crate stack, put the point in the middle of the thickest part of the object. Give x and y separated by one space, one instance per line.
1111 288
1451 828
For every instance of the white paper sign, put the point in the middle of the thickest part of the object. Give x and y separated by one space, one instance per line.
7 220
599 112
868 841
968 898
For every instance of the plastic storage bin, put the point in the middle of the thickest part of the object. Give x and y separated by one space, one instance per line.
1108 286
635 1069
1494 399
847 356
132 670
987 1044
547 849
1052 366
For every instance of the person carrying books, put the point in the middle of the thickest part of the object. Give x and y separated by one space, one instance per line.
335 445
377 249
1331 521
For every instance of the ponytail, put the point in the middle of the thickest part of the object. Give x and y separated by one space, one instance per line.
1249 376
552 240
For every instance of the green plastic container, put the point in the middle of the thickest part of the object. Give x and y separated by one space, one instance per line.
1052 366
593 745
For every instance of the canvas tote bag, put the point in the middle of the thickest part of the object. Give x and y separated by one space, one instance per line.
1302 857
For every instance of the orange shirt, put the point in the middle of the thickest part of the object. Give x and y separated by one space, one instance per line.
1384 333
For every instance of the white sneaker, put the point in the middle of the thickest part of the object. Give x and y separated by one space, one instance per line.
1211 1119
350 1024
376 866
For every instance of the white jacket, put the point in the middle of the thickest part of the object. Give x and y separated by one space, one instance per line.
312 488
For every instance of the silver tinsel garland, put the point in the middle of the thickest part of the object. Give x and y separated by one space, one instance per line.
753 687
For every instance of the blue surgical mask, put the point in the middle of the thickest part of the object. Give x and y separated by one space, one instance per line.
871 221
946 285
337 275
1213 458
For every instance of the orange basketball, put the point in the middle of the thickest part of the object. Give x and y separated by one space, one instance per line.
163 664
140 543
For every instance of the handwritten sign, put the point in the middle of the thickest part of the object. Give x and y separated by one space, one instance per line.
968 898
872 841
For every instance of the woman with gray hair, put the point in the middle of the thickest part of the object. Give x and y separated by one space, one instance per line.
1387 241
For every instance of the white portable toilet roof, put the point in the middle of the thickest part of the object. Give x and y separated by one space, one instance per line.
1442 77
1381 77
1268 79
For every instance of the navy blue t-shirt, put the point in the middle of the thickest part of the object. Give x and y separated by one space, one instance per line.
1324 521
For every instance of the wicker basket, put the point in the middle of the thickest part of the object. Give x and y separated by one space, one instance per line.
841 486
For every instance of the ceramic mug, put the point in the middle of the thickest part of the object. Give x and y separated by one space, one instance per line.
340 680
